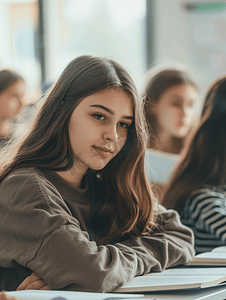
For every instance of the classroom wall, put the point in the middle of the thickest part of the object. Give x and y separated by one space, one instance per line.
196 40
171 32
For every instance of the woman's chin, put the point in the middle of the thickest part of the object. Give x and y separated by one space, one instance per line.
180 134
98 167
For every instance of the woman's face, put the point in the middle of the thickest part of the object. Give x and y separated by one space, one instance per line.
98 127
175 110
11 100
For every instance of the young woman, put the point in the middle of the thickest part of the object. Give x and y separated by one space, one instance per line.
75 205
171 98
12 91
198 187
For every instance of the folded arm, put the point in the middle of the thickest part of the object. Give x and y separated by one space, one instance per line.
43 236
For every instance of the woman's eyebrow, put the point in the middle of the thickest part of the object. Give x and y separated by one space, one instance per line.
110 111
176 96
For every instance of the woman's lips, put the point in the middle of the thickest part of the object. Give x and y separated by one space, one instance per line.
105 152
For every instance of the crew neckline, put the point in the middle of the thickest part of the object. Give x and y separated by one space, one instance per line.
65 188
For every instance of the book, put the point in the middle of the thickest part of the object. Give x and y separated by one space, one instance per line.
209 258
159 165
216 257
219 249
175 279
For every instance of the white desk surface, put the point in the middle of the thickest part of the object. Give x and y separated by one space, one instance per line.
66 295
216 293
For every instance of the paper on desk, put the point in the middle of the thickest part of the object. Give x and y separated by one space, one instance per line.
66 295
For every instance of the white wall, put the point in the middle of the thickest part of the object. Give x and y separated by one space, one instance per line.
191 39
171 32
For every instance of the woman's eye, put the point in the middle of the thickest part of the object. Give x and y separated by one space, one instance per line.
99 117
176 104
191 104
123 125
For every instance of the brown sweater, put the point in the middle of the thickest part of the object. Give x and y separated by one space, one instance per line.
44 229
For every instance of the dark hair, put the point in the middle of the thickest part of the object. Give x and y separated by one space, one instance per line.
157 85
203 161
126 199
8 78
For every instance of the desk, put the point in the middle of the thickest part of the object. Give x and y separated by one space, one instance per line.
215 293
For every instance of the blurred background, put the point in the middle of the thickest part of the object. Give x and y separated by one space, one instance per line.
39 38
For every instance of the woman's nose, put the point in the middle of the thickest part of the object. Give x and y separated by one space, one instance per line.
185 111
110 134
21 103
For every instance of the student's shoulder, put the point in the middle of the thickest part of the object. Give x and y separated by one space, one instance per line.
26 181
207 191
25 171
28 188
166 156
201 197
24 175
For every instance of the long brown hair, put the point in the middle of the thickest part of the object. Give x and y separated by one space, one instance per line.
204 158
157 84
126 200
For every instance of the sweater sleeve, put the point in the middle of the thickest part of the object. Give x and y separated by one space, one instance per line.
41 234
206 209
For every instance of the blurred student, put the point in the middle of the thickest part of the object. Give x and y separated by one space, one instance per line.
75 204
12 91
198 187
171 98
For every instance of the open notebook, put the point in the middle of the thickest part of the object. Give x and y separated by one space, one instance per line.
174 279
217 257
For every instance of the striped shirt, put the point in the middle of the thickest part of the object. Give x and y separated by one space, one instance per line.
205 213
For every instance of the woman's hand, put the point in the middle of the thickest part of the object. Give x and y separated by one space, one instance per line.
33 282
3 296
